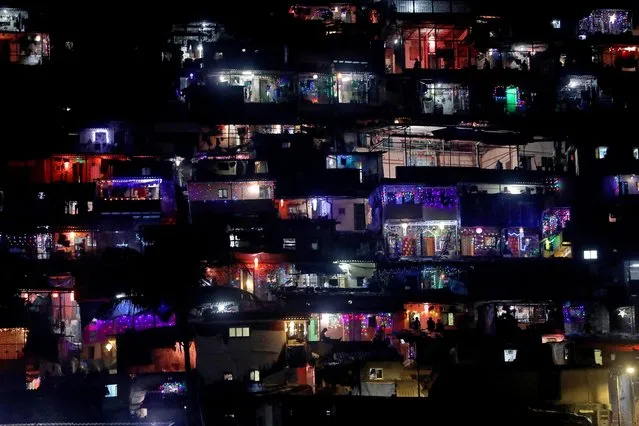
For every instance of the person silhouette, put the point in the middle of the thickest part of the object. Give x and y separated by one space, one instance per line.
430 325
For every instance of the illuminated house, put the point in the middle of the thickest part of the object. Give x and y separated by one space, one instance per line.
257 86
430 6
333 12
251 344
99 335
423 276
350 327
457 147
254 86
149 195
606 21
12 357
503 219
238 135
417 220
18 44
70 168
429 46
511 56
54 320
240 196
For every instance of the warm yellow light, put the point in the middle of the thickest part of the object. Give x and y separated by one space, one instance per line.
630 370
256 262
339 76
108 346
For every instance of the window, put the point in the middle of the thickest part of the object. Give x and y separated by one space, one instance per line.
111 391
223 194
443 98
360 281
228 377
239 332
286 145
556 24
590 255
510 355
71 207
359 218
234 241
601 152
598 357
451 319
261 167
314 245
265 192
288 243
376 374
635 153
89 206
254 376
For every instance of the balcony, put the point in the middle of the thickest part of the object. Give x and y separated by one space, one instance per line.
432 6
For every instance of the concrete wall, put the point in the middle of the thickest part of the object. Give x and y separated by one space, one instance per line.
218 355
346 220
585 385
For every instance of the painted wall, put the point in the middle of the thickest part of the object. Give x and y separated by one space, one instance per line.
218 355
346 219
585 385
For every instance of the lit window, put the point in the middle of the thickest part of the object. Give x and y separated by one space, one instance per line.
288 243
601 152
635 153
71 207
590 254
598 357
261 167
510 355
89 206
314 245
265 192
234 241
556 24
111 391
239 332
223 194
228 377
376 374
254 375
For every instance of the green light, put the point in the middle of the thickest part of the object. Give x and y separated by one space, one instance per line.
512 99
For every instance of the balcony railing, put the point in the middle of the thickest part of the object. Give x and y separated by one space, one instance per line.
435 6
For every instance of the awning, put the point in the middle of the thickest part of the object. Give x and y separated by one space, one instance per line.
324 268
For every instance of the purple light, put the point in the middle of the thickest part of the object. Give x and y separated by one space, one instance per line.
101 330
133 180
439 197
191 75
